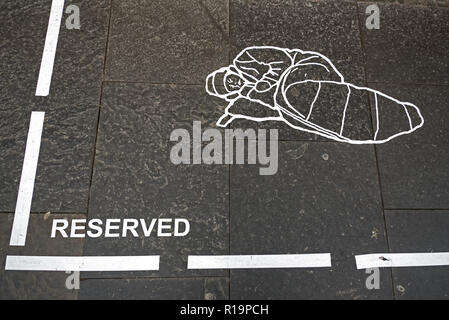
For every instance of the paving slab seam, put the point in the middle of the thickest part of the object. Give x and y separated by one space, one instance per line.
438 5
229 166
155 278
156 83
379 182
99 105
410 83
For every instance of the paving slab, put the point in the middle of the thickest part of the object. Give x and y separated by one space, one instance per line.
80 53
327 27
324 198
327 112
341 282
151 289
414 168
137 69
160 109
135 178
216 289
167 41
417 231
65 158
411 45
430 3
36 284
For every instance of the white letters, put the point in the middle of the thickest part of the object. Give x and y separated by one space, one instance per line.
186 230
95 225
161 227
76 227
147 231
132 228
115 228
55 227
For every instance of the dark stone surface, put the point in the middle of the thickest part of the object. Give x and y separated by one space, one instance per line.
419 231
312 205
414 169
134 178
327 112
65 158
80 53
325 196
155 111
216 289
412 45
167 41
341 282
34 284
155 289
328 27
430 3
138 289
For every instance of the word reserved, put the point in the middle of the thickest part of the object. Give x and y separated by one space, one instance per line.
116 228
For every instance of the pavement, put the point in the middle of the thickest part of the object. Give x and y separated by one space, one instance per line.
135 71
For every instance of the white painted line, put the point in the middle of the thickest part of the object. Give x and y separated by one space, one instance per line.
315 260
385 260
51 42
26 186
71 263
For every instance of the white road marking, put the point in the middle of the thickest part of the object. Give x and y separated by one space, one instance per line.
382 260
344 111
25 195
314 260
72 263
51 42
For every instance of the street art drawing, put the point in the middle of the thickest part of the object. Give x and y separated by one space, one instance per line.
307 92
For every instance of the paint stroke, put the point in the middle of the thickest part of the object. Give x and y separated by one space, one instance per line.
91 263
315 260
26 186
385 260
51 42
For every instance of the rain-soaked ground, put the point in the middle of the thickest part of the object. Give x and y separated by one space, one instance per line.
135 71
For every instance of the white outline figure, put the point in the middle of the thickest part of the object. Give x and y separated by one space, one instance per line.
263 75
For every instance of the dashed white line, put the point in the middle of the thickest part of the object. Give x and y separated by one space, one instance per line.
384 260
51 42
72 263
26 186
314 260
